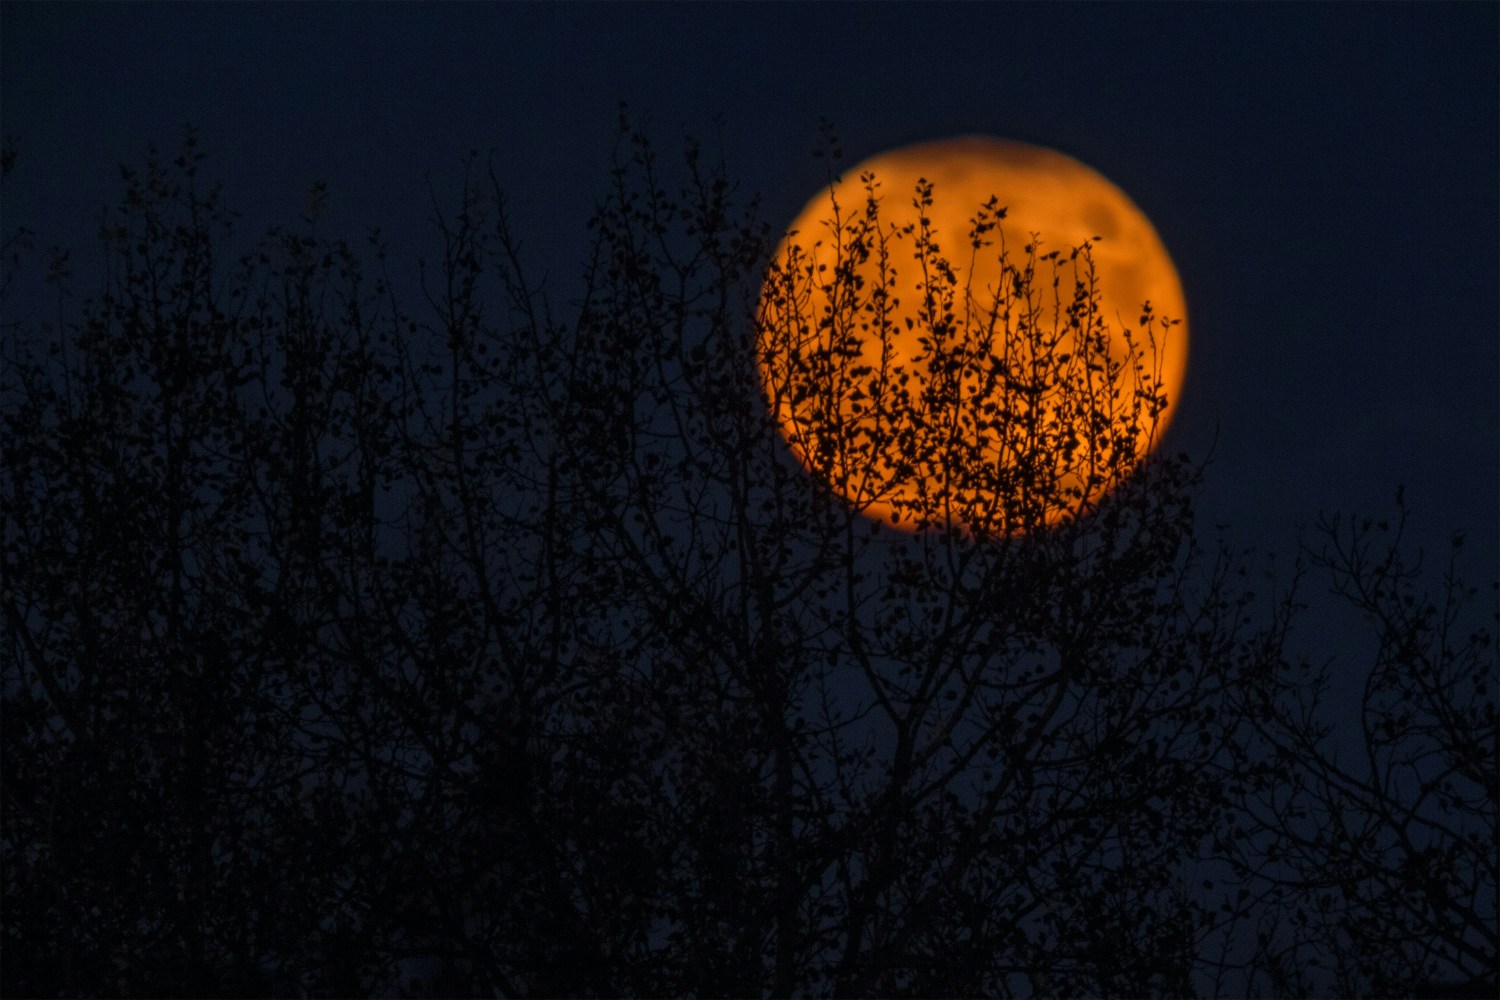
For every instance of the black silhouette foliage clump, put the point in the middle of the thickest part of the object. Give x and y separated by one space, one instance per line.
504 649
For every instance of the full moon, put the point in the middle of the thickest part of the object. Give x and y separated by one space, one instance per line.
971 333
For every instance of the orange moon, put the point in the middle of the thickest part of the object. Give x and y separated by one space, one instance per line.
946 385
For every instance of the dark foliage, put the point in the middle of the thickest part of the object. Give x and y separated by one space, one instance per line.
509 651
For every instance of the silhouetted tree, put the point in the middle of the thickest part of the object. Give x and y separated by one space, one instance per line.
1379 851
511 652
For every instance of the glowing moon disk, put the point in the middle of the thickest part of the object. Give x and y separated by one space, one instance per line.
1043 192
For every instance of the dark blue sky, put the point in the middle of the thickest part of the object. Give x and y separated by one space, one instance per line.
1325 176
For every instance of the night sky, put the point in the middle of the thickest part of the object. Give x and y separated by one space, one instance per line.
1325 176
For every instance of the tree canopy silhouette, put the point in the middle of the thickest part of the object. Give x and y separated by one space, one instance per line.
506 648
